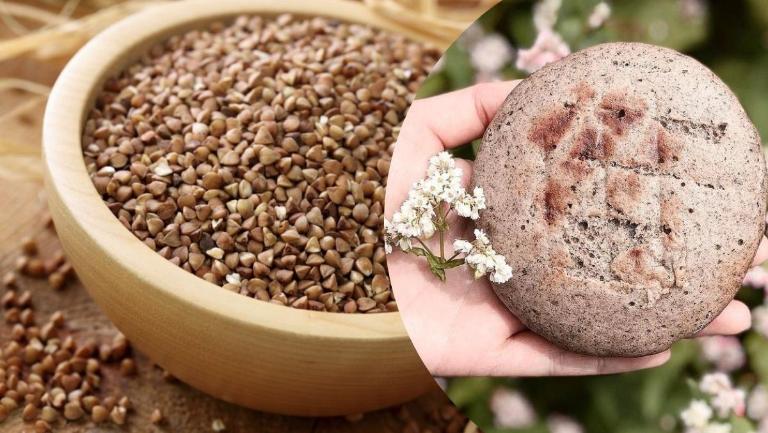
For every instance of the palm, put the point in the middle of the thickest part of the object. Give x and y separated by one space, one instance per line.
459 327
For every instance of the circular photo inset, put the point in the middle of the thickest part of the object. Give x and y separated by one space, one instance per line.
581 190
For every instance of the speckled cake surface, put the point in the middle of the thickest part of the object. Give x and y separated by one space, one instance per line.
627 189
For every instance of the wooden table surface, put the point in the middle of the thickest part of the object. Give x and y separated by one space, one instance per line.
22 199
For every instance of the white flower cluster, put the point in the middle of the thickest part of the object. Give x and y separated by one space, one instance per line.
469 205
424 211
724 400
416 217
724 351
481 257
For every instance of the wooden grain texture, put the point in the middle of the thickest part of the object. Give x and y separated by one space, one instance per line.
185 409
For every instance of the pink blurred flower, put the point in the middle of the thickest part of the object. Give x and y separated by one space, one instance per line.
725 352
725 398
757 277
511 409
757 403
760 320
729 401
548 47
557 423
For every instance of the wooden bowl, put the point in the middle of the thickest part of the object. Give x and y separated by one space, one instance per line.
256 354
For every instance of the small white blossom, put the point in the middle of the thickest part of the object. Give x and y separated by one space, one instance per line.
443 184
414 220
715 383
511 409
462 246
390 236
729 401
725 352
545 14
443 178
482 237
563 424
599 15
481 257
757 403
760 320
491 53
469 206
697 414
756 277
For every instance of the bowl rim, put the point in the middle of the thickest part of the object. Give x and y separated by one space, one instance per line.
68 180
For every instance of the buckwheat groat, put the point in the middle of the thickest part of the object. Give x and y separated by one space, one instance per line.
627 189
255 155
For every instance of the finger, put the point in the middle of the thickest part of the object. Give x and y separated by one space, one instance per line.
762 252
457 117
528 354
734 319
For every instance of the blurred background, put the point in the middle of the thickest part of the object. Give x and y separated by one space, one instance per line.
514 39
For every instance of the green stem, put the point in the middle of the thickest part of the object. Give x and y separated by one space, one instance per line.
441 228
442 246
426 247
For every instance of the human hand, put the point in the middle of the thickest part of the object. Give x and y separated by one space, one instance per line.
459 327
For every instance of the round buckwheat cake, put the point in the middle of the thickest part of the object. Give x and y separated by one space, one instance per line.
627 189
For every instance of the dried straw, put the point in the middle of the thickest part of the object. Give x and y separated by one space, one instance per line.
62 36
21 108
24 85
431 16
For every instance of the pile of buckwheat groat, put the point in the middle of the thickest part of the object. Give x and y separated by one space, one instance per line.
255 155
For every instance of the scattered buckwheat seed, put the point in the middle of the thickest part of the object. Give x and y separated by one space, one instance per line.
156 417
218 425
44 372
